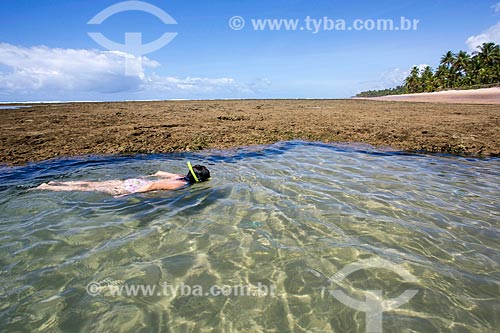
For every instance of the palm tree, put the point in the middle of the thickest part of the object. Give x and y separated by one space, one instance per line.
460 67
489 53
473 75
441 77
412 82
488 58
427 79
447 60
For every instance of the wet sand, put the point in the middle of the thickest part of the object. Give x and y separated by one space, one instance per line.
54 130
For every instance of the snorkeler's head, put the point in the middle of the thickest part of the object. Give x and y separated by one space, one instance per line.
201 173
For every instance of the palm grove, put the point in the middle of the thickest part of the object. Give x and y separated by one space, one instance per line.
455 71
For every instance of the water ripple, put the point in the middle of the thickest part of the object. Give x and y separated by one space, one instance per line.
291 215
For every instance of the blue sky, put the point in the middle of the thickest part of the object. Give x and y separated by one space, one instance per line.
47 54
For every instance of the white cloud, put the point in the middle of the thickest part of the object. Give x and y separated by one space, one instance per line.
496 7
50 73
396 76
42 68
389 79
492 34
195 85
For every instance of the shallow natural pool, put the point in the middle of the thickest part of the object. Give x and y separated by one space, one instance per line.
297 222
13 107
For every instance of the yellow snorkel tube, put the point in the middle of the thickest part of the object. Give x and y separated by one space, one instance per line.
192 172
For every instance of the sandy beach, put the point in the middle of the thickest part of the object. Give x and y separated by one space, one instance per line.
54 130
474 96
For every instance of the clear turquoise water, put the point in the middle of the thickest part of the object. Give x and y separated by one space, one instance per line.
289 215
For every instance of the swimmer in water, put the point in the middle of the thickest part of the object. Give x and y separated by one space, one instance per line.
164 181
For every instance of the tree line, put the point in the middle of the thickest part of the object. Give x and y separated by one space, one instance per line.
455 71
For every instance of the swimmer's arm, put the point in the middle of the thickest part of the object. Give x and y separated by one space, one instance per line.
164 174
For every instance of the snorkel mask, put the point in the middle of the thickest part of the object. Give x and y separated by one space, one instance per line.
192 172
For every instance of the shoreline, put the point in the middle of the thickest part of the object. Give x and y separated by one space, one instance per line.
45 131
471 96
